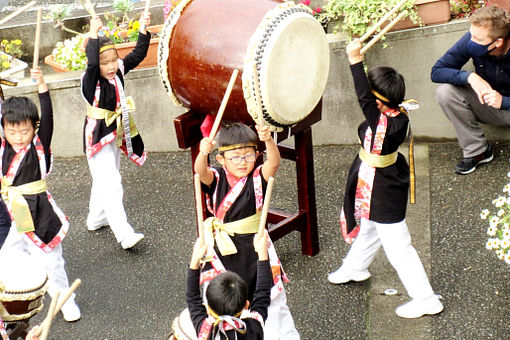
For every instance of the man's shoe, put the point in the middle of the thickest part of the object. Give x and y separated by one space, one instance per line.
341 275
468 165
416 308
131 240
71 312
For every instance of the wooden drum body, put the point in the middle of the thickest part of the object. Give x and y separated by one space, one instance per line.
22 288
203 41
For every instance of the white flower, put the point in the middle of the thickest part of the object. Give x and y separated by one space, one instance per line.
499 202
505 227
505 243
507 257
496 243
491 231
505 233
494 221
484 214
490 244
501 212
506 188
508 174
500 253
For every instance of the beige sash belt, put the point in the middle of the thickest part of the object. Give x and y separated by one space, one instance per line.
19 206
378 161
223 231
115 116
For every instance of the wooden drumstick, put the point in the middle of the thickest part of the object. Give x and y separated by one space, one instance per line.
90 8
18 11
265 207
223 105
382 20
379 36
68 294
60 303
46 324
37 38
200 213
258 99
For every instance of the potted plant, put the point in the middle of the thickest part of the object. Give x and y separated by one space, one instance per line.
122 29
355 17
464 8
10 64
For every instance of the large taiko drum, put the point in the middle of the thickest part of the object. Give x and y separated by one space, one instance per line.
203 41
182 327
22 287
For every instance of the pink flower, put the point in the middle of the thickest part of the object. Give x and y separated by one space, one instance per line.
318 10
305 2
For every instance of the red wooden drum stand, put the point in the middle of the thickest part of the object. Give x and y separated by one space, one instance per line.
187 127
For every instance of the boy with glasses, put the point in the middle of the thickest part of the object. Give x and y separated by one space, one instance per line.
235 194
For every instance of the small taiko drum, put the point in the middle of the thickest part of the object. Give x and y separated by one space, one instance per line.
22 287
203 41
182 327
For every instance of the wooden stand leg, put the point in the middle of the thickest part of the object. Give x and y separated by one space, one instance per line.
306 192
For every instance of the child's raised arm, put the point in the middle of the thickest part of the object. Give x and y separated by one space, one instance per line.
201 166
353 50
273 154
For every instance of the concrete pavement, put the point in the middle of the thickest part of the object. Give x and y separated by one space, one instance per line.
137 293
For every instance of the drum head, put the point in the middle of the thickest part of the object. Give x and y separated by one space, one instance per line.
182 327
20 273
292 56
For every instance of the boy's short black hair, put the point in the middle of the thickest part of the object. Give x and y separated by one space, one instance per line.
227 294
16 110
388 82
235 133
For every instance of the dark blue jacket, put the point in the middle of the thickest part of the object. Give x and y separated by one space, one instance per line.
495 70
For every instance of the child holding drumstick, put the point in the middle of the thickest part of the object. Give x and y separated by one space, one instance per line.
373 214
39 226
109 129
235 192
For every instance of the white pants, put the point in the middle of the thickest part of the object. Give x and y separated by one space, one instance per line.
106 207
53 261
396 242
279 323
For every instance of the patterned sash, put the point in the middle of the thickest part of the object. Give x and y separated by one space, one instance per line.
366 175
3 332
126 128
226 323
11 174
279 275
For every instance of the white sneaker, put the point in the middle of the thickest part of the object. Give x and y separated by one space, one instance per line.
342 275
98 226
71 312
131 240
416 308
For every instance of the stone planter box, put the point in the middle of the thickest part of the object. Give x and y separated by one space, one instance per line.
17 70
431 12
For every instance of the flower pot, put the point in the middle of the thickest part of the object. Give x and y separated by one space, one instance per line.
17 69
505 4
431 12
152 54
57 68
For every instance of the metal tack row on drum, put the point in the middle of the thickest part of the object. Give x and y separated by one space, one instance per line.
203 41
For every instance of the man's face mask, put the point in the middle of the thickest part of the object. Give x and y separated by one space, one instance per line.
478 50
